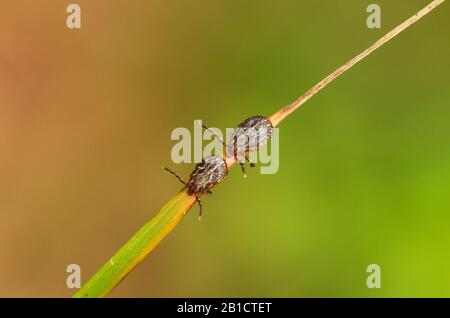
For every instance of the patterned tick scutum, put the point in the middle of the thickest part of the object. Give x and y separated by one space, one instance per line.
254 132
251 134
206 175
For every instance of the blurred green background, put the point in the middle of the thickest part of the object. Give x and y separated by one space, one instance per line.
85 123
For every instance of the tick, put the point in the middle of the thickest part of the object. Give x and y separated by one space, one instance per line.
250 134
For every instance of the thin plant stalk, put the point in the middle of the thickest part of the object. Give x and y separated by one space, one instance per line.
277 117
152 233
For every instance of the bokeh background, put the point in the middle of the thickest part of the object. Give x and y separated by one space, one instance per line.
85 123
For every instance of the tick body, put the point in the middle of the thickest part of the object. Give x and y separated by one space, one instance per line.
208 173
254 131
250 134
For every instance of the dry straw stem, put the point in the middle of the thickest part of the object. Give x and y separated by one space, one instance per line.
152 233
286 111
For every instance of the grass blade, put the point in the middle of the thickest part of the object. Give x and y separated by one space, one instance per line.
139 246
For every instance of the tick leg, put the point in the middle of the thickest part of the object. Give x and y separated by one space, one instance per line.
252 164
208 192
236 157
242 164
175 174
215 134
243 169
201 207
235 148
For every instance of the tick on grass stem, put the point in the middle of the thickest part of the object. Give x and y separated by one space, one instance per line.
250 134
254 131
206 174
